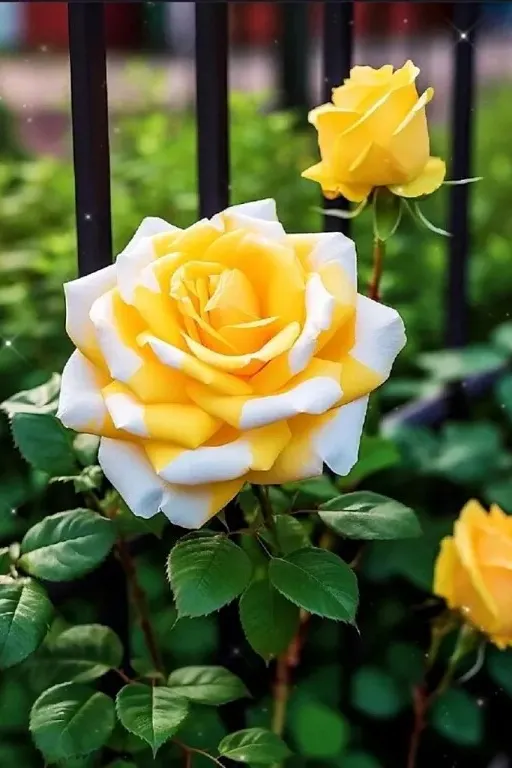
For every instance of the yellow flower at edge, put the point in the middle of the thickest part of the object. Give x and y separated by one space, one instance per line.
473 571
375 134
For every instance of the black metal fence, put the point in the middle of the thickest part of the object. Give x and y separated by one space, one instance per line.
91 148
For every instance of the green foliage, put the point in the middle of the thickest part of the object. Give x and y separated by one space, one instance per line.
207 571
25 613
207 685
367 515
151 713
317 581
268 619
66 545
255 746
375 692
79 654
71 720
44 443
458 717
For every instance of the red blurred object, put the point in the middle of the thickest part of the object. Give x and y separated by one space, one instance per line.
47 24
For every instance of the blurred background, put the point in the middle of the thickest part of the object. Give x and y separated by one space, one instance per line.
351 704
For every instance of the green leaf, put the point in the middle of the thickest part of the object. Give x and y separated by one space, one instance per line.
84 652
207 685
44 443
504 394
5 559
306 493
499 664
318 581
153 713
41 399
207 572
89 479
457 716
453 364
66 545
376 693
317 731
367 515
502 336
25 614
290 534
269 621
468 453
360 760
255 746
375 454
71 720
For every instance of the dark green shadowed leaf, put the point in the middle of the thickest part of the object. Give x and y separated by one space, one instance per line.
268 619
366 515
66 545
254 746
25 613
207 572
44 443
153 713
71 720
207 685
82 653
318 581
458 717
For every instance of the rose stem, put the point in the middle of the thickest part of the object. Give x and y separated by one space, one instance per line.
140 604
379 249
422 699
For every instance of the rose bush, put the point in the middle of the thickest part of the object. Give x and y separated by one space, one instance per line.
375 134
473 571
225 353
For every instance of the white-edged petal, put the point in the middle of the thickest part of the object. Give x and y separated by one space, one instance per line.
257 209
337 247
313 396
192 506
122 361
319 314
80 295
209 464
337 441
138 254
127 414
259 216
380 335
126 466
81 404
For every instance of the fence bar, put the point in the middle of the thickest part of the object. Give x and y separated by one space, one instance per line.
90 135
212 106
465 19
338 36
294 56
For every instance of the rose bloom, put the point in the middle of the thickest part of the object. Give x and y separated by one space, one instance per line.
225 353
375 134
473 572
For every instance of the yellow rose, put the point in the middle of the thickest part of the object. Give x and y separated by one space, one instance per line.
225 353
375 134
474 571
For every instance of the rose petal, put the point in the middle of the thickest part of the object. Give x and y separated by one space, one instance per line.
256 449
192 506
380 335
80 295
126 466
430 179
81 405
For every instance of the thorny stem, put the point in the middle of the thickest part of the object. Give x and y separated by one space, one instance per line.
261 494
379 249
423 700
140 604
137 594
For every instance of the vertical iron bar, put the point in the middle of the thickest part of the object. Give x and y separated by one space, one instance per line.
464 21
90 135
294 56
338 41
212 106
